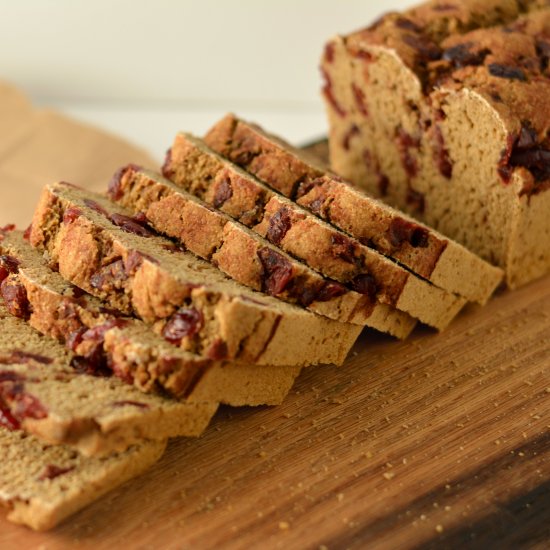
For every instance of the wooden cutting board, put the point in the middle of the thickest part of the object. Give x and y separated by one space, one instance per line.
441 441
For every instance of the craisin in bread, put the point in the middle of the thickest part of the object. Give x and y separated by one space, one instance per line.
442 111
98 246
301 178
104 341
43 393
41 485
242 254
195 167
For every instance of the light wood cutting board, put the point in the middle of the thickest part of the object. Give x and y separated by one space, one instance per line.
441 441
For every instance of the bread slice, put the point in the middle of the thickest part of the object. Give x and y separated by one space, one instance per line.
324 248
188 300
298 176
43 484
47 397
443 113
243 254
105 341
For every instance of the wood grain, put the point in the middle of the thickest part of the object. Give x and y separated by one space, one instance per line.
441 441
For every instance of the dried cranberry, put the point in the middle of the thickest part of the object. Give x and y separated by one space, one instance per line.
346 140
359 96
505 71
536 160
543 53
15 297
223 192
415 199
114 189
112 275
186 322
279 224
405 142
365 284
96 207
71 214
130 225
277 271
407 24
28 406
329 291
19 357
343 247
97 333
51 471
75 338
167 170
132 403
426 50
402 230
8 265
133 262
8 375
383 183
7 420
527 137
329 52
462 55
328 92
7 228
218 350
441 154
93 366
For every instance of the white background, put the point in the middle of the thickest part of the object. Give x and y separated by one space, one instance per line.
148 69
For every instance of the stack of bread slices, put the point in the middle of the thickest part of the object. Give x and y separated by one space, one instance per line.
127 318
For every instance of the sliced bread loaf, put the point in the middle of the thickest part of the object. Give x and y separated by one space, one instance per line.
441 110
43 484
244 255
97 245
105 342
299 177
46 396
198 169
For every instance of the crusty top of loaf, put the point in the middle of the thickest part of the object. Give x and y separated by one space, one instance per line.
500 49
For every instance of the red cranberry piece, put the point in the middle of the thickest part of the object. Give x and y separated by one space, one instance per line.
366 284
27 233
167 170
543 53
97 333
51 471
426 50
71 214
223 192
20 357
109 276
441 153
15 297
329 52
7 420
6 229
8 375
75 338
401 231
383 183
348 136
329 291
415 199
8 265
130 225
344 248
462 55
114 189
359 96
407 24
405 142
505 71
96 207
328 92
218 350
279 224
94 366
28 406
277 271
186 322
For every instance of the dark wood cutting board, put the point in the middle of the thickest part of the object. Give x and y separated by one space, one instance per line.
439 441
